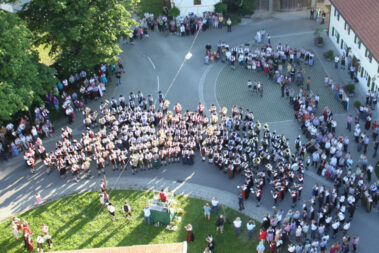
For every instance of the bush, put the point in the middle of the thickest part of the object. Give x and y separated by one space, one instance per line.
349 88
174 12
357 104
221 8
330 55
245 7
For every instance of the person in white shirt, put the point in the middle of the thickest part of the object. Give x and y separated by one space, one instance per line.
250 228
40 242
261 247
111 210
237 226
146 213
214 204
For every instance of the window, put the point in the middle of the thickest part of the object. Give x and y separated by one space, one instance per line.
370 57
362 71
366 52
196 2
345 25
335 11
333 31
348 30
355 38
338 17
359 44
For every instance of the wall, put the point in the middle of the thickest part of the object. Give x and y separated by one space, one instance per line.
367 70
187 6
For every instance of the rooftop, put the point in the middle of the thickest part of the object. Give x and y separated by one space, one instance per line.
363 18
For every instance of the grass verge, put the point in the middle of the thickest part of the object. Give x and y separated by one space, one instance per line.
78 221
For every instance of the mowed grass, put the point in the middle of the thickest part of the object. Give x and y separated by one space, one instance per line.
78 221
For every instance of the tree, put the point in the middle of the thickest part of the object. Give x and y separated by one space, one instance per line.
23 80
174 12
221 7
82 33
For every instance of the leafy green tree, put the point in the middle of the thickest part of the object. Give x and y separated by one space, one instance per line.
221 7
82 33
23 80
174 12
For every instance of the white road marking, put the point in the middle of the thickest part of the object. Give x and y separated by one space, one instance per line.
157 83
291 34
151 61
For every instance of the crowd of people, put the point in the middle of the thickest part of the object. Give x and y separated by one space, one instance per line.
181 25
22 227
139 133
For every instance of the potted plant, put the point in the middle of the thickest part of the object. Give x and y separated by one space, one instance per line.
349 89
319 40
329 55
357 104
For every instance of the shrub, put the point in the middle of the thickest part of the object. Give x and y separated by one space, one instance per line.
349 88
174 12
357 104
330 54
221 8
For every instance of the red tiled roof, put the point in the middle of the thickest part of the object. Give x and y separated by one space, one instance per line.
363 18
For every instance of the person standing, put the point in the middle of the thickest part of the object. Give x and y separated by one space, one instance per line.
128 211
190 235
261 247
220 224
323 15
14 229
111 210
336 61
376 145
240 202
215 204
146 214
210 242
118 77
355 243
38 198
229 24
207 211
250 228
349 121
237 226
40 242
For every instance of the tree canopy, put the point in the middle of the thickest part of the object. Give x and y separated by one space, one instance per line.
23 80
82 33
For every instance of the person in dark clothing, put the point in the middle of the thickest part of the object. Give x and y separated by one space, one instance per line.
240 202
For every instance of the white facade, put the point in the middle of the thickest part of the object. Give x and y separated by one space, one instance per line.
197 7
14 7
343 37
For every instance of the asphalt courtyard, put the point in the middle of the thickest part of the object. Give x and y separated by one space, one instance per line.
164 63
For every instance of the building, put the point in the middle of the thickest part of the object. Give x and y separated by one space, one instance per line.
354 29
13 7
197 7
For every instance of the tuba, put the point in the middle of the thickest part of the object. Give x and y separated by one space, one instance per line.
257 161
265 127
287 152
224 111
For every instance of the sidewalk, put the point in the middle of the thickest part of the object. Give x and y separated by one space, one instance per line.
136 183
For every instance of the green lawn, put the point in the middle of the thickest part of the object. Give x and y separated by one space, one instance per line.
79 222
